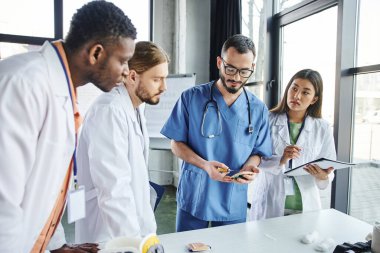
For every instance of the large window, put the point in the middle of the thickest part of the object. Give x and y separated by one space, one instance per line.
365 190
137 11
368 52
22 24
285 4
27 23
22 17
254 26
304 45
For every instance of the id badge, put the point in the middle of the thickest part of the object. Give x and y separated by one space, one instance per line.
76 207
289 186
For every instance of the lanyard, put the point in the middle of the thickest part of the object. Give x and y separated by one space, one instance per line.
70 88
298 135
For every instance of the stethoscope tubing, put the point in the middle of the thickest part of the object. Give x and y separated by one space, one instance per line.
211 100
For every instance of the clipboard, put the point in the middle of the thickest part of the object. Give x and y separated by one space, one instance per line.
324 163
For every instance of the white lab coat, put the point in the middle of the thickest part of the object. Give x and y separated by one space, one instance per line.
36 145
112 165
268 191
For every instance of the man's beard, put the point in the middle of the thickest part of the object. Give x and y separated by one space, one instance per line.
143 95
231 90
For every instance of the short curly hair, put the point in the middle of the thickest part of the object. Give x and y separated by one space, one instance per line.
99 21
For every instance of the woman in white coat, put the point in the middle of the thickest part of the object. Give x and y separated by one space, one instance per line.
299 135
113 153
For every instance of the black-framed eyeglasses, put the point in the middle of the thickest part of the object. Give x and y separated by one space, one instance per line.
231 70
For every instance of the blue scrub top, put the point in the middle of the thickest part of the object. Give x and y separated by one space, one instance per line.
198 194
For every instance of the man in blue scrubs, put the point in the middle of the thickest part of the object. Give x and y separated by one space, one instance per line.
218 125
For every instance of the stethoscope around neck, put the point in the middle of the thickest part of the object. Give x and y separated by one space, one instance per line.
212 101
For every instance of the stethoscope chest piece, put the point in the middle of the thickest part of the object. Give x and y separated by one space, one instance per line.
250 129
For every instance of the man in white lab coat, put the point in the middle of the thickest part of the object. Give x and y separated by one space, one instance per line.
113 153
38 121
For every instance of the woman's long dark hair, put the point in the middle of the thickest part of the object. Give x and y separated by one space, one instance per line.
314 110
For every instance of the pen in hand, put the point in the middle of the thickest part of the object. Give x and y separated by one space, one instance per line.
290 152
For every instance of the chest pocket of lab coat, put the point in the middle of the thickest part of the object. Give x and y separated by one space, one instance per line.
242 135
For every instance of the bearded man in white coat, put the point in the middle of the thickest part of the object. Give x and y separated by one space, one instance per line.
113 152
38 122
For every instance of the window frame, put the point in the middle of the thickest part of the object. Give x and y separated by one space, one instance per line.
58 28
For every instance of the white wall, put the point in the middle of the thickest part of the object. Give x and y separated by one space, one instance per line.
198 39
164 27
194 16
182 29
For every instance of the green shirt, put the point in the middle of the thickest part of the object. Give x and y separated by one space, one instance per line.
294 202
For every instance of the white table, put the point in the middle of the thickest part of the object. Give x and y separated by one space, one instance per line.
280 235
